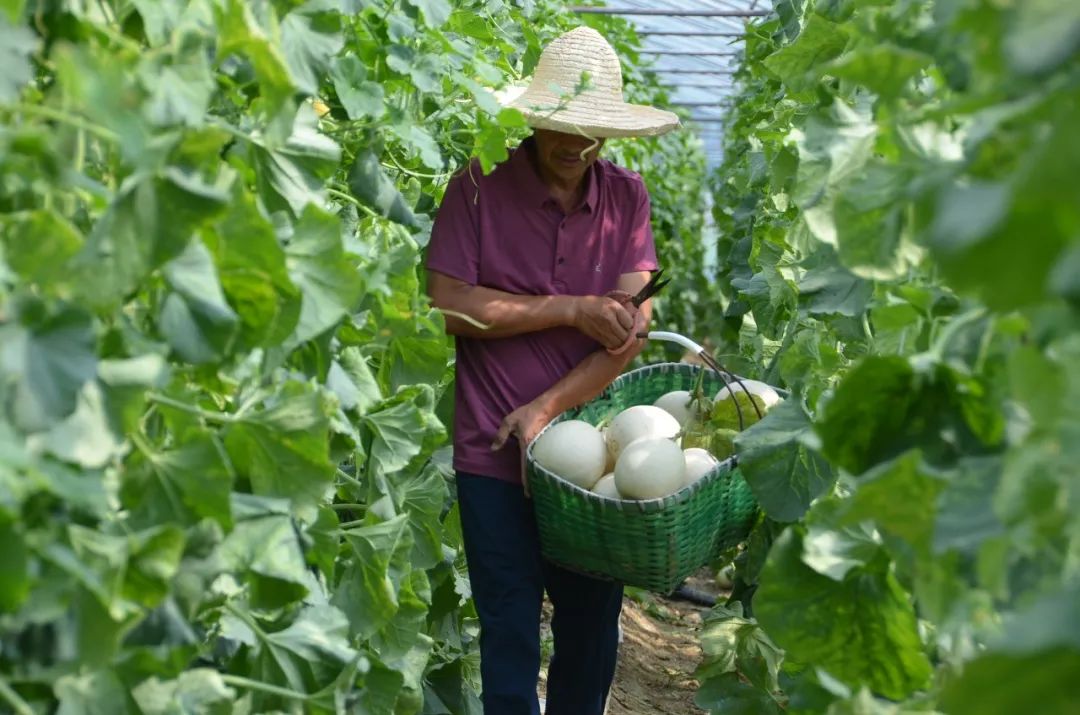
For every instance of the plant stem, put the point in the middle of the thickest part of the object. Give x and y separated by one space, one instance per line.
350 478
347 507
72 120
249 684
337 194
20 706
219 417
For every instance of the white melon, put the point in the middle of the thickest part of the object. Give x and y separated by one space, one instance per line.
650 468
606 487
575 450
638 422
699 462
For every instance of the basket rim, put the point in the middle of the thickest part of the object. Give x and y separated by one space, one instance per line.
722 467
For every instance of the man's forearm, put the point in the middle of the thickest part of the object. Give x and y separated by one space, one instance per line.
586 381
500 314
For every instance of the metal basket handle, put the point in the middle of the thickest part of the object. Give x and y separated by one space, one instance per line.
726 376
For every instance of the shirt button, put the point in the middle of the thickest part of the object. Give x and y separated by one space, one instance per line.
561 260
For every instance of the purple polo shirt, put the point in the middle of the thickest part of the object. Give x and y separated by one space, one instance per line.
504 231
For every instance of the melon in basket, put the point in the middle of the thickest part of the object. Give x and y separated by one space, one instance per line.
677 404
606 487
650 468
575 450
699 462
726 414
639 422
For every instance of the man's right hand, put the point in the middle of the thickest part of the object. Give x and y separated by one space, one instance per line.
603 319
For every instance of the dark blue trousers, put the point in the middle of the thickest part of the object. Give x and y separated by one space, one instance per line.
508 578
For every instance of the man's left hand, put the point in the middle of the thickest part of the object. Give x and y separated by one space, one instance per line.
524 423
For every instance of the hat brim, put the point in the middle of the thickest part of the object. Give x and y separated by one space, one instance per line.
593 117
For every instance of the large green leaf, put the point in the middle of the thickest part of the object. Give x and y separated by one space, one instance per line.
402 428
819 42
292 175
861 629
49 359
368 591
310 36
38 246
252 269
369 183
779 458
329 281
360 96
200 690
198 321
179 485
884 68
310 653
18 44
283 448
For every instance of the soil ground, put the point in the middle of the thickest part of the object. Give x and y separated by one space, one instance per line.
659 653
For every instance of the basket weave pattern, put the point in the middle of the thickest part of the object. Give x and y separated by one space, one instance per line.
656 543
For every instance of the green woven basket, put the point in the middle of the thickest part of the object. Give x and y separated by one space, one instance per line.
654 544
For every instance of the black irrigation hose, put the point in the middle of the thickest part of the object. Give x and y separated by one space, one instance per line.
693 595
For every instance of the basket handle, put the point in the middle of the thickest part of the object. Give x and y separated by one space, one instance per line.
726 376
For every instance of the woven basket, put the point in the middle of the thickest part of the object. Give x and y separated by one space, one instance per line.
654 544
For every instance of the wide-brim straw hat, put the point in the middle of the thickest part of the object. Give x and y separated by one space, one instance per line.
550 102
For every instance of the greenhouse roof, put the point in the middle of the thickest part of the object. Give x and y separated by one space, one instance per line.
693 45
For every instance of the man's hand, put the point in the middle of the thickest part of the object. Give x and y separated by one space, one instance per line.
604 319
640 321
524 423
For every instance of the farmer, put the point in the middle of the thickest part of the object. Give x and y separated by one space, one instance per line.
541 255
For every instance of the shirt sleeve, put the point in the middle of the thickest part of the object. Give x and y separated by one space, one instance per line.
640 254
454 249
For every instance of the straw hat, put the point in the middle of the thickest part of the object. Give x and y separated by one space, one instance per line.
600 110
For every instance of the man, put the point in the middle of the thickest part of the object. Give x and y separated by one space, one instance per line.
541 256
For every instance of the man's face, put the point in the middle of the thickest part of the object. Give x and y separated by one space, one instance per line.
559 154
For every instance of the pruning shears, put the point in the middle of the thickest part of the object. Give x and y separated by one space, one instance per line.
651 288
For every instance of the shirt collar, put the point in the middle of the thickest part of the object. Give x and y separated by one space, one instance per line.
536 190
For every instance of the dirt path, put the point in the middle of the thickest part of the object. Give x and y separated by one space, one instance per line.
657 658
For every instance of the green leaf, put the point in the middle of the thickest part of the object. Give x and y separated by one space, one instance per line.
884 68
15 565
211 323
819 42
85 437
435 12
900 497
266 550
965 517
310 653
351 379
18 44
240 34
421 142
148 223
422 69
1004 684
291 176
740 666
179 485
402 428
95 692
833 290
309 39
360 96
862 629
180 91
834 147
200 690
317 264
38 246
283 449
252 270
1041 35
778 456
370 184
368 592
50 360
